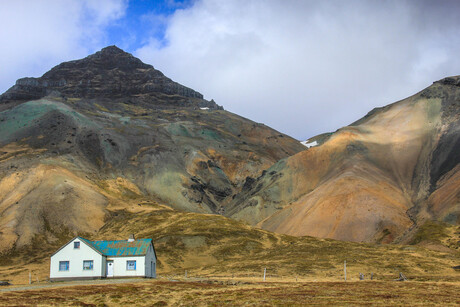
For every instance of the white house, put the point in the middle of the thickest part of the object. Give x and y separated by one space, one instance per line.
84 259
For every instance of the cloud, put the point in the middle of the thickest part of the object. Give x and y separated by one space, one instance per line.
307 67
302 67
37 35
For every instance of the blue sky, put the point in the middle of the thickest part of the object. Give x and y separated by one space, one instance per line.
303 67
142 20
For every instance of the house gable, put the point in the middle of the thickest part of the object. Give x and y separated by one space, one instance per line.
154 252
77 259
80 240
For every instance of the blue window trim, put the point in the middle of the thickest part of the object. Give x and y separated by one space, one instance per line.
91 267
128 262
66 266
76 245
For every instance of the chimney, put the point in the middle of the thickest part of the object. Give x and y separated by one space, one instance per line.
131 238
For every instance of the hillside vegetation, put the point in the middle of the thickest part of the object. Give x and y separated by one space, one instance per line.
215 246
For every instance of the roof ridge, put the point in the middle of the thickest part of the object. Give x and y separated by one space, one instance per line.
144 239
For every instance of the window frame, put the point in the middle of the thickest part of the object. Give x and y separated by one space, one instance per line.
128 262
67 267
76 245
91 268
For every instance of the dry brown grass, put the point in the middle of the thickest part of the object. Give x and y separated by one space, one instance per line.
214 293
212 246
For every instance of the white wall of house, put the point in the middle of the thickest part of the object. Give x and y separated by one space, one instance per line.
145 265
120 266
76 258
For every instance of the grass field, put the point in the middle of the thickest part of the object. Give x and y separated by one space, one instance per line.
225 259
219 293
212 246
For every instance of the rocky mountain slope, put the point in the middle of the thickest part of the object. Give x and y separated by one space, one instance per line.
109 132
100 141
377 180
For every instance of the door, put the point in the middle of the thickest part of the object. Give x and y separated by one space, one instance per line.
109 268
153 269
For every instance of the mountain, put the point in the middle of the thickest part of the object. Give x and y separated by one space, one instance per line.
377 180
108 138
109 134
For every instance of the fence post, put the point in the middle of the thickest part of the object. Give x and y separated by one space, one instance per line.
345 269
265 271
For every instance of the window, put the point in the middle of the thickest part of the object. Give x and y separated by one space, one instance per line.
87 265
131 265
63 265
76 245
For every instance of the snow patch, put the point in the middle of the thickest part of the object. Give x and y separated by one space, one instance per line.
205 108
308 145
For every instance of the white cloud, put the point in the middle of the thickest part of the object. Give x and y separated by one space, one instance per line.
37 35
306 67
302 67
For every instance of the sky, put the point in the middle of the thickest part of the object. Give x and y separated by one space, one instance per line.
301 67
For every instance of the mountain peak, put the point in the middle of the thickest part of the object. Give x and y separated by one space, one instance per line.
112 50
108 73
109 58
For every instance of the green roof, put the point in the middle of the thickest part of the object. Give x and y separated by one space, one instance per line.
121 247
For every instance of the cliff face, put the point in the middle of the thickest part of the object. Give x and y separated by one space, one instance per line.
376 180
109 73
108 133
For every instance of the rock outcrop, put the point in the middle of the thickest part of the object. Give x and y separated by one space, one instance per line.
109 73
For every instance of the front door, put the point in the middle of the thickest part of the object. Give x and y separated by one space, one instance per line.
109 268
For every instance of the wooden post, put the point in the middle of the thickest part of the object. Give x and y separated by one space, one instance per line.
401 277
185 273
30 277
265 271
345 270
